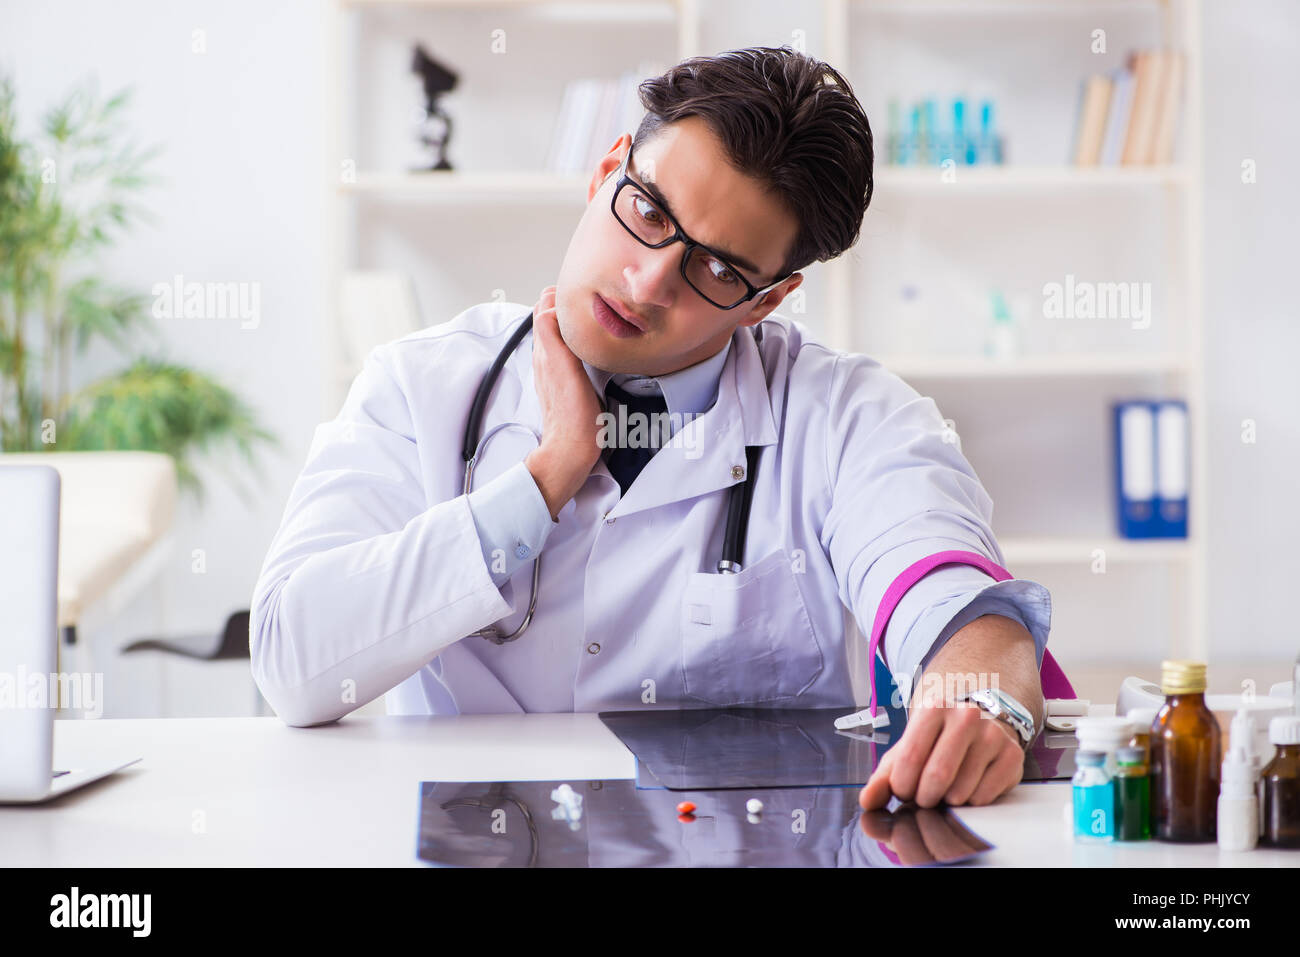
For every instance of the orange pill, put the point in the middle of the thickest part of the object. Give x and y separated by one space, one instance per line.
686 807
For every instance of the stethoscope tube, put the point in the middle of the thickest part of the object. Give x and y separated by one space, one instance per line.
738 503
469 452
739 498
475 424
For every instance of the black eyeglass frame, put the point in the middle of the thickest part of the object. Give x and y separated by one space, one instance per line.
678 234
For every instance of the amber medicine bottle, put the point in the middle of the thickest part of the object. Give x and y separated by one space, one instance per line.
1281 784
1186 757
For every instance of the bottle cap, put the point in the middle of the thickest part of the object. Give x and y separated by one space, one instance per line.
1242 732
1284 729
1103 734
1238 774
1182 677
1089 758
1131 756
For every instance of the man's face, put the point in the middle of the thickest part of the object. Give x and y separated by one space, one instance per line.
715 206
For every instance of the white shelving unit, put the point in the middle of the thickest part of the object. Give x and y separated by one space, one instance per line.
1179 370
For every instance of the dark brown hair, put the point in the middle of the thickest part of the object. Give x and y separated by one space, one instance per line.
786 120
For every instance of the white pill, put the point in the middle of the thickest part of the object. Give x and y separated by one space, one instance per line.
754 806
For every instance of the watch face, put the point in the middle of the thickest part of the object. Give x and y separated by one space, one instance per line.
1008 704
1012 714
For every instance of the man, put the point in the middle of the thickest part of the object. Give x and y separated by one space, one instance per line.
387 577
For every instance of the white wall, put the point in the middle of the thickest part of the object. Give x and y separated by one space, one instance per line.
242 126
1253 73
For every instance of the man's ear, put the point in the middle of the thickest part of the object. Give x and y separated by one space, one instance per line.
608 166
771 299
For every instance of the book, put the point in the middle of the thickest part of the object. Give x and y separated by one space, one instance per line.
561 131
1121 101
593 114
584 110
1091 127
602 127
1149 73
1170 108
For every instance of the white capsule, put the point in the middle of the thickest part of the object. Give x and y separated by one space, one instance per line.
754 806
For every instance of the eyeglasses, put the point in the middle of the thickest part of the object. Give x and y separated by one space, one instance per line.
709 274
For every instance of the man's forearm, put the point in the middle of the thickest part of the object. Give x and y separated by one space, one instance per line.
997 652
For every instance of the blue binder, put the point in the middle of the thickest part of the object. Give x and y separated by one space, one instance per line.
1151 468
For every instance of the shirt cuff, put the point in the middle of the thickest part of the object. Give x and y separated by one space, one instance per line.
512 519
972 594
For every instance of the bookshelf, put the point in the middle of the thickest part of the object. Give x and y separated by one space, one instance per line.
1100 218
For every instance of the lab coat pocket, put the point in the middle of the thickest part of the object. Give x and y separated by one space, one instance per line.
747 638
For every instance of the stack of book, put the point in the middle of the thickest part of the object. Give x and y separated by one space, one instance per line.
594 113
1128 117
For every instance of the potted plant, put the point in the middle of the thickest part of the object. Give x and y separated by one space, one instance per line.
62 199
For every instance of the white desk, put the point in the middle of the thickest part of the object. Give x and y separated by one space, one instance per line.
251 791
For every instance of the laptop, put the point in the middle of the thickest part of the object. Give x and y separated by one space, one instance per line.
29 684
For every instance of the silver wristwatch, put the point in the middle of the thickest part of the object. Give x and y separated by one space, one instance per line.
1006 709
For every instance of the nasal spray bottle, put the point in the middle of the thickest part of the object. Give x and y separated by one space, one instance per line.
1239 810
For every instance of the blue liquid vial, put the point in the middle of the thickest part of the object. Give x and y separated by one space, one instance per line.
1094 799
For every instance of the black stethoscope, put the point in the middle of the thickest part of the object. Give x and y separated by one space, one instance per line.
738 502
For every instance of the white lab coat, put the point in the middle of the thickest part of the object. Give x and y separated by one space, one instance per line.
377 573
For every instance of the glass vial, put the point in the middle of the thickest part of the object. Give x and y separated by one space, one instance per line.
1132 796
1186 755
1281 784
1094 799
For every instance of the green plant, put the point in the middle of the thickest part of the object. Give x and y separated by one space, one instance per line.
61 201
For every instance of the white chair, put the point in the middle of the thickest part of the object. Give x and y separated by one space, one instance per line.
115 516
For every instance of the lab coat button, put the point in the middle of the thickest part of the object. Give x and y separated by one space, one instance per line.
738 471
522 550
593 648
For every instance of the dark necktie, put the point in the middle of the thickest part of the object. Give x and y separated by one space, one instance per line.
625 460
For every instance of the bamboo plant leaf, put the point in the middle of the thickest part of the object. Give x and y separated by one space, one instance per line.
160 406
96 309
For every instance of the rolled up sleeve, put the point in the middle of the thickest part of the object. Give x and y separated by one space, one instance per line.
970 595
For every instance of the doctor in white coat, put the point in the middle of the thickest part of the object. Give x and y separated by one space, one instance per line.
747 167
